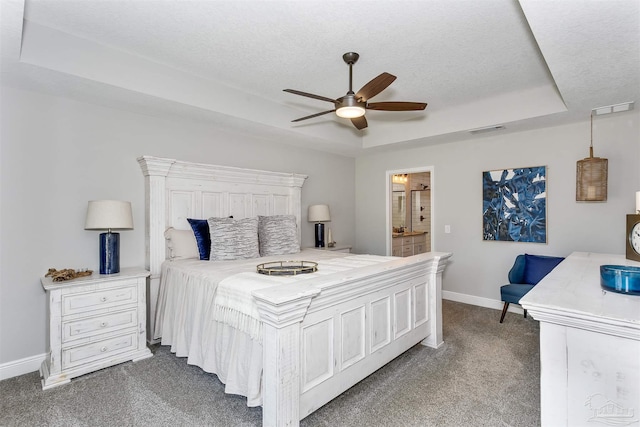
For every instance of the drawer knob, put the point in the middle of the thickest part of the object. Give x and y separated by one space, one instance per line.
103 324
103 349
103 299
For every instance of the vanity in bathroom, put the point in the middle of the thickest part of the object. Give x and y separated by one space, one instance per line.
409 243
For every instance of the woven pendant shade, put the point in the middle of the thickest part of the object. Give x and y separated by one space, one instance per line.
591 177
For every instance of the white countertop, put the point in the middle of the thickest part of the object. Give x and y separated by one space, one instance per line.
572 290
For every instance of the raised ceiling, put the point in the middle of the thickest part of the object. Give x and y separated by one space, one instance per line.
476 63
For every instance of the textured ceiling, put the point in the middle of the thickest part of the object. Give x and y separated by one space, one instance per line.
476 63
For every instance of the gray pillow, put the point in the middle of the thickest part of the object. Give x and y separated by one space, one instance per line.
233 238
278 235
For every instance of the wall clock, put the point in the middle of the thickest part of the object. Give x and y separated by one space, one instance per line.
633 237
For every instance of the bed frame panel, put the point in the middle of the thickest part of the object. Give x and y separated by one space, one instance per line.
321 335
364 333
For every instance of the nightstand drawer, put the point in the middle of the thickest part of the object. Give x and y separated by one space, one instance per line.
105 298
407 250
99 325
92 352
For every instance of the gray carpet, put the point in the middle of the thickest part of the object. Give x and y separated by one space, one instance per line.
486 374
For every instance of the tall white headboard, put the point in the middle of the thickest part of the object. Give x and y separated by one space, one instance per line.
176 190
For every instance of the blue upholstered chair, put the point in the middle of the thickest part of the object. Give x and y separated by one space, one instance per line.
526 272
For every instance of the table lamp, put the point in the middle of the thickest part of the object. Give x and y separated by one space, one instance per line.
109 215
319 214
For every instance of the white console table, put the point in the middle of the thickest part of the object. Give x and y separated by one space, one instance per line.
589 345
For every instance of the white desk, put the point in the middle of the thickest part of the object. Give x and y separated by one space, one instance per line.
589 345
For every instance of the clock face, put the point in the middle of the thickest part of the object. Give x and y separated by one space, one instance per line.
634 238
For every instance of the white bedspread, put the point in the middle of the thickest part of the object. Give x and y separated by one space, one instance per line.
206 312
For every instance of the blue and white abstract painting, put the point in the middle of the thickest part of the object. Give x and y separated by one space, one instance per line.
514 205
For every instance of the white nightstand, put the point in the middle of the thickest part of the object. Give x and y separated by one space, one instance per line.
94 322
339 248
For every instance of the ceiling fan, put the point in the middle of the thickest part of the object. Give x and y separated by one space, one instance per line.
353 105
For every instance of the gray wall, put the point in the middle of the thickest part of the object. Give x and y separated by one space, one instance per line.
479 268
57 154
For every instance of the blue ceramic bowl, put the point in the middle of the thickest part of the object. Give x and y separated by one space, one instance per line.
620 278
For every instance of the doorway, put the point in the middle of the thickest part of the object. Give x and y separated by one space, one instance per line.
409 211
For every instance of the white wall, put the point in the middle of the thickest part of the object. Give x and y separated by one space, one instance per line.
57 154
479 268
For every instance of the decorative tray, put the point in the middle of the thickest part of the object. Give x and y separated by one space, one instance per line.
287 268
620 278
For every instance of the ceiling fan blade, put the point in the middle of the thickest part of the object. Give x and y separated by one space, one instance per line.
313 115
310 95
397 106
359 122
375 86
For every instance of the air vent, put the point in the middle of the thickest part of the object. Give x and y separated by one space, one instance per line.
617 108
487 129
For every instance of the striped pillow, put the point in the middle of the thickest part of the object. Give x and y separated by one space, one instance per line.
233 238
278 235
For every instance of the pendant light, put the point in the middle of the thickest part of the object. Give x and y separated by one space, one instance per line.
591 176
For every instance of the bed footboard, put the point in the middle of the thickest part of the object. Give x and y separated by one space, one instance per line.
324 335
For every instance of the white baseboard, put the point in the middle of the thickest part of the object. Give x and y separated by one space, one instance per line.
479 301
22 366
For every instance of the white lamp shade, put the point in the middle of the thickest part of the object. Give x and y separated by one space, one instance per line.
109 214
318 213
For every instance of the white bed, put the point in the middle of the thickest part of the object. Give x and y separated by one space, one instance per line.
318 335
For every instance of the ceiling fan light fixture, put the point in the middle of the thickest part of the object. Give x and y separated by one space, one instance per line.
350 108
350 112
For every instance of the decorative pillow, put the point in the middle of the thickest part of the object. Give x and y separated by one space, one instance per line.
181 244
538 266
233 238
278 235
200 229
